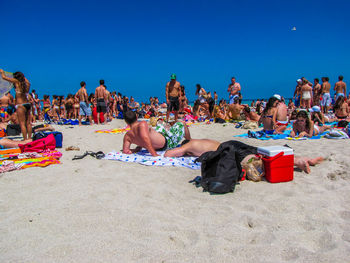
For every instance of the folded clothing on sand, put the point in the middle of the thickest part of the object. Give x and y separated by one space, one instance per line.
145 158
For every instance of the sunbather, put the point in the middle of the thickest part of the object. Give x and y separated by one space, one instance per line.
196 147
8 143
304 127
146 137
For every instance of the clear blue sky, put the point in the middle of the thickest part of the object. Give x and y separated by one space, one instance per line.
135 45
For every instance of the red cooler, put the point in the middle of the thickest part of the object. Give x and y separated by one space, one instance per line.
278 163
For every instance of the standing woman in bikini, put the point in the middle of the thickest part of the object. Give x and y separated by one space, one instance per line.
23 106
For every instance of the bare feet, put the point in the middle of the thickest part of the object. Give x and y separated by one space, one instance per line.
315 161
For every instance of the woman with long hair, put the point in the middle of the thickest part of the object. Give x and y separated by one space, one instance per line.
23 106
341 108
268 116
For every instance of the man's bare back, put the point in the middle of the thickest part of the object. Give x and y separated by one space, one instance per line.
282 112
235 111
100 92
340 87
82 95
326 87
144 137
195 147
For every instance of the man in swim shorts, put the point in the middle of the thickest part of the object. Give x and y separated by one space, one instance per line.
172 94
233 89
280 118
326 97
85 109
101 98
340 87
144 136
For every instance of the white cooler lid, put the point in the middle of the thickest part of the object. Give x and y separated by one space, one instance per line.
274 150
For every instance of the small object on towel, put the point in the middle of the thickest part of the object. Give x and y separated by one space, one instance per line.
72 148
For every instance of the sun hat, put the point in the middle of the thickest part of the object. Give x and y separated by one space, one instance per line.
277 96
299 80
173 76
315 109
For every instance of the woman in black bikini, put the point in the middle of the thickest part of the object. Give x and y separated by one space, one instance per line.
23 106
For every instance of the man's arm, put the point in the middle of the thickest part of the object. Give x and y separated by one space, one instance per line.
166 93
126 144
12 80
344 90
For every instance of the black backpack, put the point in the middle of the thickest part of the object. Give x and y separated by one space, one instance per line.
221 170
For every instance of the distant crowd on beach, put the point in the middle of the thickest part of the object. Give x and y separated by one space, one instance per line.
104 105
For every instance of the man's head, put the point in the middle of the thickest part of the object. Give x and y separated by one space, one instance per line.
236 100
246 109
130 117
233 80
102 82
316 80
173 77
82 84
340 78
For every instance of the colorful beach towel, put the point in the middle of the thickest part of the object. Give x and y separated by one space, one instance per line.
10 162
261 135
145 158
115 131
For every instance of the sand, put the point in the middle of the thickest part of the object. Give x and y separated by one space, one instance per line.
106 211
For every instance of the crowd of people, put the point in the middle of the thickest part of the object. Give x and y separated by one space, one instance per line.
104 105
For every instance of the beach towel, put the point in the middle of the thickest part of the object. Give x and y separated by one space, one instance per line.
145 158
115 131
337 134
260 135
10 162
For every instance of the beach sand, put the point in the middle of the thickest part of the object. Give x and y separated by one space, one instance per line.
93 210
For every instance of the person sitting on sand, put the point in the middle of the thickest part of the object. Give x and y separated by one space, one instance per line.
144 136
281 116
220 114
250 115
235 109
341 108
196 147
304 127
268 116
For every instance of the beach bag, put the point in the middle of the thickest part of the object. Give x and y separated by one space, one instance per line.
13 130
221 169
47 143
58 137
251 125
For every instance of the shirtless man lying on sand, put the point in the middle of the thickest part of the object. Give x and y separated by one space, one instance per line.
196 147
145 136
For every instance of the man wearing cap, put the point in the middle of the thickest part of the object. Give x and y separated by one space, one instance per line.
340 87
172 93
233 89
280 118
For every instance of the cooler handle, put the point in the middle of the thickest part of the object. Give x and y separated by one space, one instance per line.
274 157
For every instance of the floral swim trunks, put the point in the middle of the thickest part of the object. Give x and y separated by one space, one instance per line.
174 135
